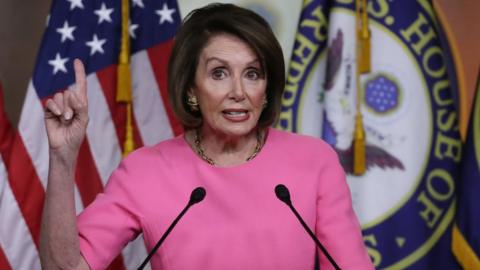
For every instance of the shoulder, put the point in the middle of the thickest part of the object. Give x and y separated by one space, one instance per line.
303 152
147 164
152 160
164 149
298 143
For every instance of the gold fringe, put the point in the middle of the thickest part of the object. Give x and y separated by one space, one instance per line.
363 37
463 252
363 66
359 162
124 79
129 144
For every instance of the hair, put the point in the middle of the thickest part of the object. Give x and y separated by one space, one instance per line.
197 29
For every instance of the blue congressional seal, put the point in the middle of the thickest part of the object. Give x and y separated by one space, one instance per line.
405 200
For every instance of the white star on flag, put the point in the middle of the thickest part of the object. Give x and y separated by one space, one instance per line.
165 14
66 31
104 14
75 3
96 45
138 3
132 28
58 64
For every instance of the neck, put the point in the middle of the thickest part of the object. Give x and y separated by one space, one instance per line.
224 150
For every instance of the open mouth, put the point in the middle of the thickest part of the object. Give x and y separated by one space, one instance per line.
235 113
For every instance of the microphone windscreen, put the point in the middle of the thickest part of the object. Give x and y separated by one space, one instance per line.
198 195
282 193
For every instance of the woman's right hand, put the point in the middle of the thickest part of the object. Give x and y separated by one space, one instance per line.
66 116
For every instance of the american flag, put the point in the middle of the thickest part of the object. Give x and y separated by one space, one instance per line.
89 30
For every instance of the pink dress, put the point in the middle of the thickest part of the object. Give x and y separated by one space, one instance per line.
240 224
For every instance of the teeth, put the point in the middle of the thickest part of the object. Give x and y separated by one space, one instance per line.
236 113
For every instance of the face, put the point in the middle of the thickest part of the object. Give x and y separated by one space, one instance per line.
230 85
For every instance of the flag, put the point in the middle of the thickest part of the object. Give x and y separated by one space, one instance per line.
381 62
21 201
92 31
466 231
8 205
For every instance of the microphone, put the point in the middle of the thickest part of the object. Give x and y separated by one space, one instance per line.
198 194
284 195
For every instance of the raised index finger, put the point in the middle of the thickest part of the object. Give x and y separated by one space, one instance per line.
80 79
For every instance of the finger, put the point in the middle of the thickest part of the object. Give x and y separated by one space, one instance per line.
80 108
76 103
67 109
80 79
52 107
58 99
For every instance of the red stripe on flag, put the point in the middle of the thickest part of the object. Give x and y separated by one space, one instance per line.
7 134
117 264
26 186
24 182
158 56
3 261
108 82
87 178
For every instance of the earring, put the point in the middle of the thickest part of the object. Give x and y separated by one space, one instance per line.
265 103
193 103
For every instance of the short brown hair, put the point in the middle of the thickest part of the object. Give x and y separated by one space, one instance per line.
196 30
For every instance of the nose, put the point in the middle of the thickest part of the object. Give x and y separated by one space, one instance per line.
238 91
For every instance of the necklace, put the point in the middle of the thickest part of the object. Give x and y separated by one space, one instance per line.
210 161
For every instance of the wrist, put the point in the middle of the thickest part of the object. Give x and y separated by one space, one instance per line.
63 157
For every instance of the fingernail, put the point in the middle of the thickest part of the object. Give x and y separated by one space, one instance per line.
68 115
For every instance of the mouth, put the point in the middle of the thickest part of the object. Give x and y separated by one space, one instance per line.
236 114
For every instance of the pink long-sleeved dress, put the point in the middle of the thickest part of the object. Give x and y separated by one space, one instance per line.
240 224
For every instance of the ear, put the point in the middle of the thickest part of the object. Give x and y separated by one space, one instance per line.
191 92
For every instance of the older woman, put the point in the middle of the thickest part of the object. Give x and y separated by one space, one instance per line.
226 78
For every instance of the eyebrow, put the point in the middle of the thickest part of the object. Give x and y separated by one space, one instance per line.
225 62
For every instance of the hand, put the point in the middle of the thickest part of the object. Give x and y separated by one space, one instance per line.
66 116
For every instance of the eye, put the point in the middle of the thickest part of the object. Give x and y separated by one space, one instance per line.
254 74
219 73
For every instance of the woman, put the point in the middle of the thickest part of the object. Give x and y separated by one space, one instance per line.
226 78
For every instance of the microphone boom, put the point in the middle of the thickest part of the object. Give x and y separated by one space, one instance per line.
198 194
284 195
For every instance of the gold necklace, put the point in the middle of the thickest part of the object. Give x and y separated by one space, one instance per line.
202 154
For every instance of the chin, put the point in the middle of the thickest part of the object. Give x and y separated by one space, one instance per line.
237 129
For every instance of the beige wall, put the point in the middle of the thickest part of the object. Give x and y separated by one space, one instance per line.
21 27
22 24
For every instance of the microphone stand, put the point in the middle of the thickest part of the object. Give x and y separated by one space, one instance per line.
197 195
284 195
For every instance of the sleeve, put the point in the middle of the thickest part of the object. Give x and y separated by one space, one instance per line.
337 226
110 221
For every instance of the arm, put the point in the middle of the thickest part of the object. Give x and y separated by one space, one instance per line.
66 118
337 226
